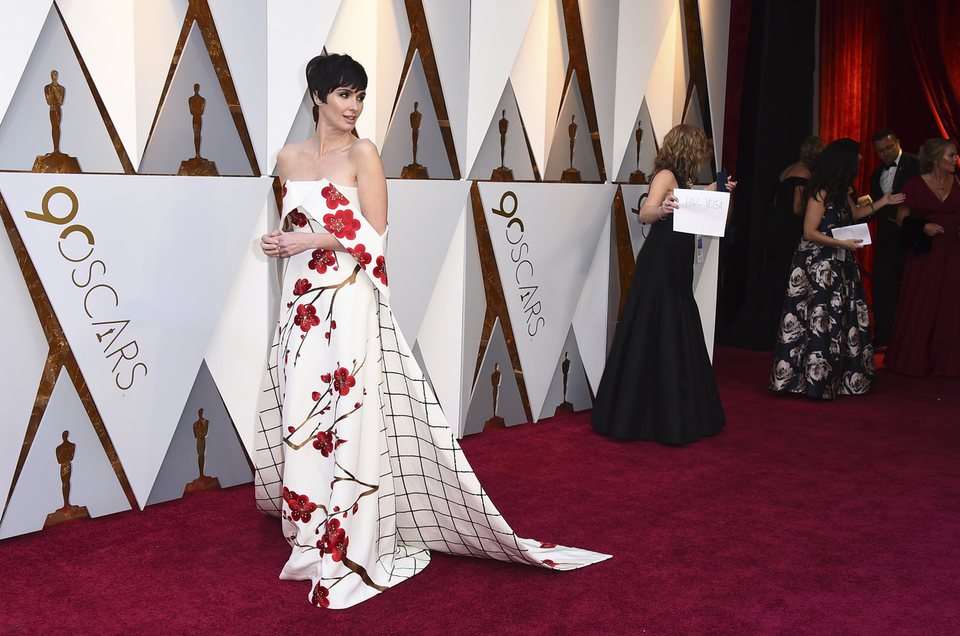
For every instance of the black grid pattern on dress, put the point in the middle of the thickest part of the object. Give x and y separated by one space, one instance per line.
439 501
268 443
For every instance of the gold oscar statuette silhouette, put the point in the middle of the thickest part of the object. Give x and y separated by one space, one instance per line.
68 512
56 161
202 482
565 406
502 173
638 176
415 170
571 174
197 166
495 421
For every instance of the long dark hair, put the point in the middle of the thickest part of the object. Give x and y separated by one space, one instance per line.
833 175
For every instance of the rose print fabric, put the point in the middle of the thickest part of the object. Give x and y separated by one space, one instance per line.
823 347
353 452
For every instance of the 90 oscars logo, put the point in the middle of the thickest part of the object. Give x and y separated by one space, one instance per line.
514 233
99 295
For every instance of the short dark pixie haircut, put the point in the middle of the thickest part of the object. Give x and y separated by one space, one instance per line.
327 73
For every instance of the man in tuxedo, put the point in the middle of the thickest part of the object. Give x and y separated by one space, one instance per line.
895 169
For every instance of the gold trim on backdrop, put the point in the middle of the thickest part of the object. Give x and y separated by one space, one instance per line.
698 69
496 300
420 41
577 47
59 356
199 11
626 259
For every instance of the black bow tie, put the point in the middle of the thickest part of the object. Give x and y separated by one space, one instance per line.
887 166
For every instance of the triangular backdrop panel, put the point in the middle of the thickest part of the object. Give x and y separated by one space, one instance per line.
705 280
641 37
715 27
23 351
449 25
39 490
633 198
584 158
538 76
516 155
578 392
590 319
157 27
240 27
491 60
648 147
173 137
303 125
695 118
296 31
660 90
599 22
223 455
397 148
26 131
392 43
561 225
152 310
18 34
496 361
423 218
104 34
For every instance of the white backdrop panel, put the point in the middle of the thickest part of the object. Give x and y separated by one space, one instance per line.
423 218
23 351
648 147
39 489
449 24
516 156
544 238
296 32
705 279
104 34
173 137
584 158
633 197
157 26
393 39
599 20
245 330
578 391
138 320
491 60
509 403
26 129
18 33
715 21
590 317
243 35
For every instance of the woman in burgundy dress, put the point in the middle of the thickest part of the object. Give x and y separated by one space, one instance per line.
926 334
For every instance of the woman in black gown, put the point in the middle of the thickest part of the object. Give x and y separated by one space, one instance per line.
756 324
658 382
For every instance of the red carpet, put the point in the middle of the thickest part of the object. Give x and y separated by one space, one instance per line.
800 517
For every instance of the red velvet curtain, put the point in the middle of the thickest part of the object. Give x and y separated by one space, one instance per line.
853 84
930 29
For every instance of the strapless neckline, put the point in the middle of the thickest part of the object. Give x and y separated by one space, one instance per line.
323 180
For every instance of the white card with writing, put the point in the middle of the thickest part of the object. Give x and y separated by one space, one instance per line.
701 212
856 231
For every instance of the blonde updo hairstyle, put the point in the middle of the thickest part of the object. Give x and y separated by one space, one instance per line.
931 151
684 152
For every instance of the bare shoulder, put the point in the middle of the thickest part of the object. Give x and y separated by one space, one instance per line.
664 179
287 157
364 150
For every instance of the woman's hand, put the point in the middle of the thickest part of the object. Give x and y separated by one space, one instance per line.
932 229
292 243
269 244
890 199
731 185
851 244
669 205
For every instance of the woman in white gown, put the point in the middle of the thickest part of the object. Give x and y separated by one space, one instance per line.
353 451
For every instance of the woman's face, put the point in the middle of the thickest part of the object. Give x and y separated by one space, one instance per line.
948 162
343 108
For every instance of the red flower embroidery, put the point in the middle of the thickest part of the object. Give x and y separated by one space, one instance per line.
544 544
298 218
324 443
320 260
361 254
342 224
301 508
333 197
335 541
301 287
550 563
306 317
380 271
320 595
342 381
325 378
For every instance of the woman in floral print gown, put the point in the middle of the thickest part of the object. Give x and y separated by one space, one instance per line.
353 452
823 347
